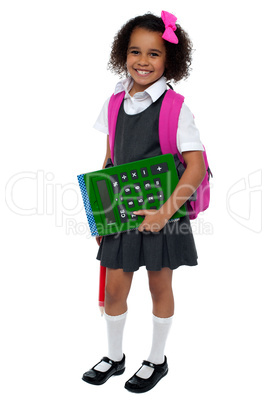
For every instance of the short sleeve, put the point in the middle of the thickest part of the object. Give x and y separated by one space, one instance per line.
188 138
101 123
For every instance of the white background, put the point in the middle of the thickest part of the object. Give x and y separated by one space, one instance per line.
54 80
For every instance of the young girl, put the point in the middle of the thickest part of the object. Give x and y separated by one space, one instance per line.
148 50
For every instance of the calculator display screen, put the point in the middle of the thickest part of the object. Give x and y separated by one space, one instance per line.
106 202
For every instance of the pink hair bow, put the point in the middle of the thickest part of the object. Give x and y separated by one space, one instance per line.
169 21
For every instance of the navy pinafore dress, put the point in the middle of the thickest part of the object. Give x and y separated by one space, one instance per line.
136 138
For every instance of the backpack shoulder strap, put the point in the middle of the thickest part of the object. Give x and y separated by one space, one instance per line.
113 110
168 122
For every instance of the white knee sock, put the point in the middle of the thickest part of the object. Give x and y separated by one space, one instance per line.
161 327
115 327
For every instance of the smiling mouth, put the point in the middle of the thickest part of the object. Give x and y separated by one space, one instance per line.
142 72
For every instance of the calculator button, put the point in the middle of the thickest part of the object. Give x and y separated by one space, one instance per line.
144 172
134 174
122 212
140 200
119 198
160 195
122 209
127 190
130 203
157 182
133 216
159 168
150 198
124 177
137 187
115 183
147 185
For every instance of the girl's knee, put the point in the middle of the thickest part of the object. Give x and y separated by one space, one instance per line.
113 294
158 289
159 284
117 287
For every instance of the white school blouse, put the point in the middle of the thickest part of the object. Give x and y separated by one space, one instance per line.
188 138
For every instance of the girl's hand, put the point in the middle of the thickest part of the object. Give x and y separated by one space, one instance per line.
154 220
98 239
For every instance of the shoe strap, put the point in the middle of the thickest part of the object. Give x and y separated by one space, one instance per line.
149 364
107 360
157 367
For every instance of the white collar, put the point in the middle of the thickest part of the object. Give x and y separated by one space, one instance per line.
154 91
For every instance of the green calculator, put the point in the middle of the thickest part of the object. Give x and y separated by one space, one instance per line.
111 195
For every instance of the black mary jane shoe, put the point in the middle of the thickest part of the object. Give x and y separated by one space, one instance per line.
138 385
96 377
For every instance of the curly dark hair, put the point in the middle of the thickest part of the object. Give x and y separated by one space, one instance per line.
178 56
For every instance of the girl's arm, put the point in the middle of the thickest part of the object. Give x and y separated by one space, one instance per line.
108 155
192 177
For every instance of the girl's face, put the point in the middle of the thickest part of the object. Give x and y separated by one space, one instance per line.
146 57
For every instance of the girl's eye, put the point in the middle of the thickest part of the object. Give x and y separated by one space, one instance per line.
136 52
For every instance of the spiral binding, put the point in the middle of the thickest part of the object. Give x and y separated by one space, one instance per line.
87 206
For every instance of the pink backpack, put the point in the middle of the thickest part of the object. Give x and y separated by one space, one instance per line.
168 124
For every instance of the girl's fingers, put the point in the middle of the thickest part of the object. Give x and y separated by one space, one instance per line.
98 239
143 212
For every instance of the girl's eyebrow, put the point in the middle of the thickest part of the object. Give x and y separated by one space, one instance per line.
138 48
